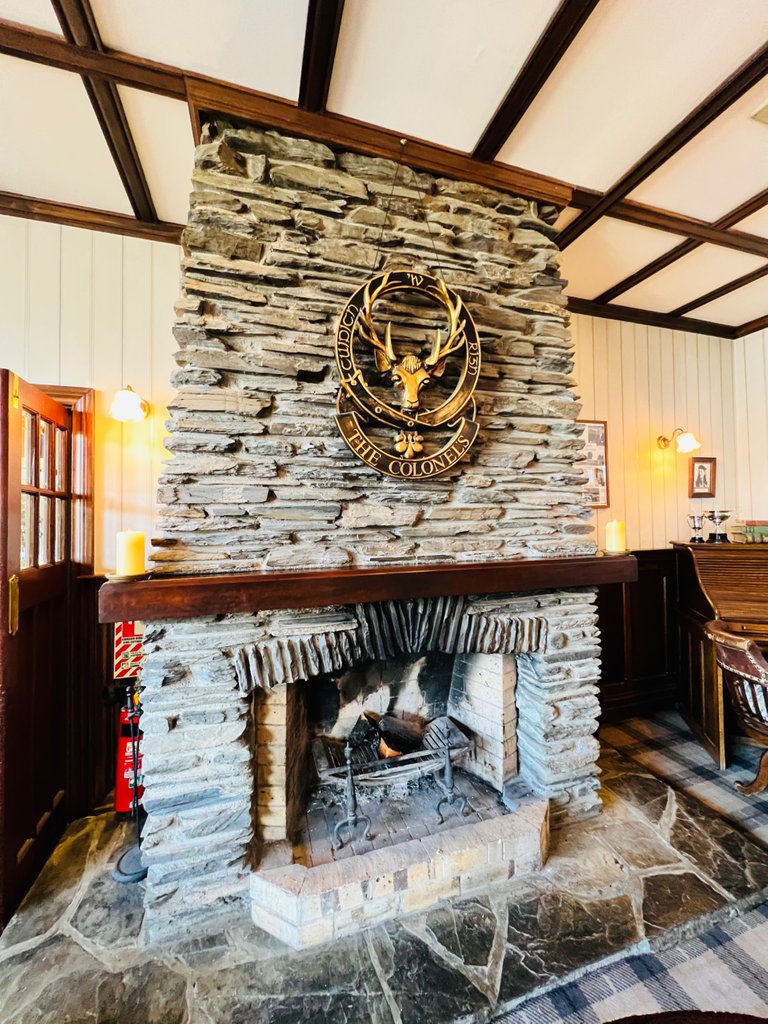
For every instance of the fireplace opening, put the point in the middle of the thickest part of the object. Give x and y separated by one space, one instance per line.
424 741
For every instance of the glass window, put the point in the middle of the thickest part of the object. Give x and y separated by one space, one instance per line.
27 531
45 513
46 454
60 553
28 448
61 460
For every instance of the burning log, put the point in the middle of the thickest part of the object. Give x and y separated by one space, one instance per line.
398 735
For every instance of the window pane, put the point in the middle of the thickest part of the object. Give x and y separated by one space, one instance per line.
44 531
61 530
61 460
28 448
46 453
27 531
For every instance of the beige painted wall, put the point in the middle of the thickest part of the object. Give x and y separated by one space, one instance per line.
750 377
90 309
95 310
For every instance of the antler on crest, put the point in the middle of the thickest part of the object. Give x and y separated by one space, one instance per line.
383 350
435 361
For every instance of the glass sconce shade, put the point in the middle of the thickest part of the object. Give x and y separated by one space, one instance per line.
686 441
127 405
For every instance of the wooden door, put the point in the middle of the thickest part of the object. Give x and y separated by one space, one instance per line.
35 530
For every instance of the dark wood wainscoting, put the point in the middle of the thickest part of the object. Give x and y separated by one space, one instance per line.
92 720
639 639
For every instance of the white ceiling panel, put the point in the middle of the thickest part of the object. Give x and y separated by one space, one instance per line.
635 70
718 170
162 132
57 151
436 69
736 308
608 252
35 13
696 274
755 224
255 43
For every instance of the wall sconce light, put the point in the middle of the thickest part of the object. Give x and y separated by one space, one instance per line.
127 405
686 441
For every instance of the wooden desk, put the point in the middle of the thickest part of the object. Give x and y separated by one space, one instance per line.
715 581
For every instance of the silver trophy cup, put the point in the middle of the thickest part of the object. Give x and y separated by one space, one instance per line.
696 523
718 517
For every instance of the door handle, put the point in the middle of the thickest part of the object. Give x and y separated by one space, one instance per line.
13 605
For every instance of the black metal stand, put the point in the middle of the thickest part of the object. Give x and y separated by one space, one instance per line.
352 819
448 787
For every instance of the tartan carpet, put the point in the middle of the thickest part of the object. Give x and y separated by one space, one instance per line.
723 969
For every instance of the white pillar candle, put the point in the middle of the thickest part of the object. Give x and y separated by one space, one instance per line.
615 535
129 560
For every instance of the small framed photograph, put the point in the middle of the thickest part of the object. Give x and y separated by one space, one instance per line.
701 477
595 465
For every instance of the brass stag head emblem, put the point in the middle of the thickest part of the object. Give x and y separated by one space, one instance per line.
410 373
428 440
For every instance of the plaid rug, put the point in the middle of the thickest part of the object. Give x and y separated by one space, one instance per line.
665 746
725 968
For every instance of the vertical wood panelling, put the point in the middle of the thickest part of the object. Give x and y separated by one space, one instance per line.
646 381
43 303
75 350
95 310
107 370
13 293
750 412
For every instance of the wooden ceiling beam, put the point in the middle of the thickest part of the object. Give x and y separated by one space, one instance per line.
749 74
660 263
79 27
208 97
631 314
760 324
718 293
45 48
14 205
320 40
731 239
675 223
562 29
746 209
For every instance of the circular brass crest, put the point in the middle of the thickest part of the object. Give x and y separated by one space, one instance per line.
364 406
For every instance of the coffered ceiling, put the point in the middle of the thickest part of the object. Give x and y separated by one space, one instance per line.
635 116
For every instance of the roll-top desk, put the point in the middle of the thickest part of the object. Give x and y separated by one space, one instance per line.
716 581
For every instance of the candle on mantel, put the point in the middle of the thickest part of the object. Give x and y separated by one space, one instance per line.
615 536
129 560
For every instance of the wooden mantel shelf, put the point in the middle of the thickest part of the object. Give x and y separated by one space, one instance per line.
185 597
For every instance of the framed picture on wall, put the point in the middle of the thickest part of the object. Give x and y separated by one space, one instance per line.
595 437
701 477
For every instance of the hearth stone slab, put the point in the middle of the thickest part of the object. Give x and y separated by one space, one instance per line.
612 886
307 906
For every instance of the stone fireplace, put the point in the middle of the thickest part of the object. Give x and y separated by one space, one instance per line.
280 232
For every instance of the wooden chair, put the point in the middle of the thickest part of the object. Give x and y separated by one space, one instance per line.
745 672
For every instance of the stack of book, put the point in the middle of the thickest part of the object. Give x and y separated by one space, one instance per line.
755 531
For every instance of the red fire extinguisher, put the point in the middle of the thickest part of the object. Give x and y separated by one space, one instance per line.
128 776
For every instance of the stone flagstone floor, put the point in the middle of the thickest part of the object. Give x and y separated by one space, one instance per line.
655 867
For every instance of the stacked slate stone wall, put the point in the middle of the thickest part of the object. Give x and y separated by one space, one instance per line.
207 797
280 233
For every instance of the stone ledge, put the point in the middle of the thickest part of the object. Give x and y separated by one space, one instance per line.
305 906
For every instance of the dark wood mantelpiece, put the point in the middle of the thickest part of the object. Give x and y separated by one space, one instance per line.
184 597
